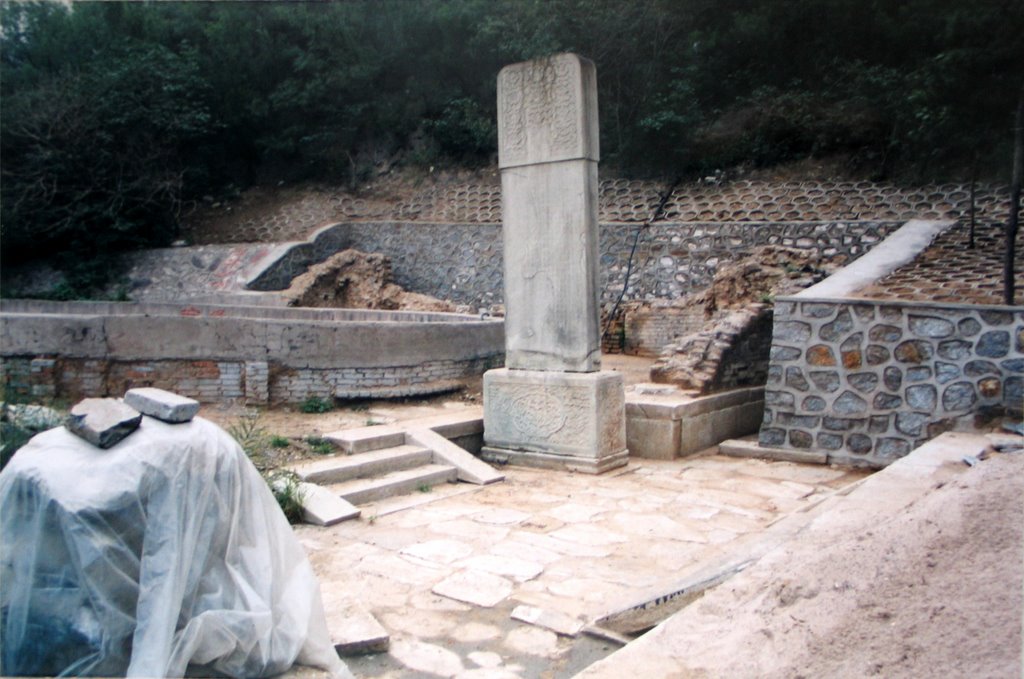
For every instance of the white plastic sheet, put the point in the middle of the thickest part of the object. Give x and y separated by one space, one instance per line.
163 554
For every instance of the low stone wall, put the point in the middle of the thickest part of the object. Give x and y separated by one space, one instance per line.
868 381
260 354
463 262
668 424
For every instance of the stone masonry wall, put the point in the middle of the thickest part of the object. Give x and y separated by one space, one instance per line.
223 353
463 262
868 381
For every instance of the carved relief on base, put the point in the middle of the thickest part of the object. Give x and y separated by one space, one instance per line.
581 414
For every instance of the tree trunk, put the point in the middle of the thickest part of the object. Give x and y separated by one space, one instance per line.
974 184
1015 181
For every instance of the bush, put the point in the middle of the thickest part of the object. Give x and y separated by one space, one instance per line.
319 445
285 487
315 404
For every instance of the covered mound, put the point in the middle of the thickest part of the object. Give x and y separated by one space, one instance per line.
163 553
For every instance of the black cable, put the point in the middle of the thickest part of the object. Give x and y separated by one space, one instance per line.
636 240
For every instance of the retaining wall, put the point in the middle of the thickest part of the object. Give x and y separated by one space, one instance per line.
868 381
215 353
463 262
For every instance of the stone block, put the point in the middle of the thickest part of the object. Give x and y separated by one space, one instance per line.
656 439
551 267
577 415
161 404
547 111
744 448
103 422
321 507
474 587
469 468
354 630
557 622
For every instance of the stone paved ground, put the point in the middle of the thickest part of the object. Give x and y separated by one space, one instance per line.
443 576
950 272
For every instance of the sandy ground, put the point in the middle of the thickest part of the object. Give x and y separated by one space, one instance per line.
932 588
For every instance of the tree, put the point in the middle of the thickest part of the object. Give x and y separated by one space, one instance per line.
1015 182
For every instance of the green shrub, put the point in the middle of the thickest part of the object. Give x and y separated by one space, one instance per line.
277 441
315 404
21 421
319 445
285 487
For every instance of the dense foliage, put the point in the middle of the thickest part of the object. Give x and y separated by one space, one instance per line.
116 113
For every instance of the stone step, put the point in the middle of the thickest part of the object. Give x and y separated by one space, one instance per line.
338 468
363 439
362 491
450 425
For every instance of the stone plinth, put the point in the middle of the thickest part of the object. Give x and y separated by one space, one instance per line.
554 419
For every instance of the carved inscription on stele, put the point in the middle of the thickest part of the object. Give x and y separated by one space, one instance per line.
541 110
554 414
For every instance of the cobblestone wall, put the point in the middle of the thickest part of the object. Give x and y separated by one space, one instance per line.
463 262
869 381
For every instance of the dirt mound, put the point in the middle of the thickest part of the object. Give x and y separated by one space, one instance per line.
767 272
351 279
926 589
732 348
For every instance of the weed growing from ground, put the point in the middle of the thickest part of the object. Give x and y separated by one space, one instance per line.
320 446
285 487
252 437
315 404
277 441
254 441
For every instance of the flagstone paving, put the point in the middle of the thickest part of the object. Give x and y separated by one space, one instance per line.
444 574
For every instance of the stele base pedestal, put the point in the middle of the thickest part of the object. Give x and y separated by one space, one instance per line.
555 420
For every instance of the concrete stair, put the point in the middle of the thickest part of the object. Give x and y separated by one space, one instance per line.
401 482
338 468
383 461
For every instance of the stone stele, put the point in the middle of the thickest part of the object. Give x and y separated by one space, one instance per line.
551 406
548 153
103 422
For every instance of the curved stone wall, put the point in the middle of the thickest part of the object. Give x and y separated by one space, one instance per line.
261 354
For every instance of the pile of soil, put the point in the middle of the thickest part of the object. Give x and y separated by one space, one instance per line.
351 279
737 308
932 590
767 272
